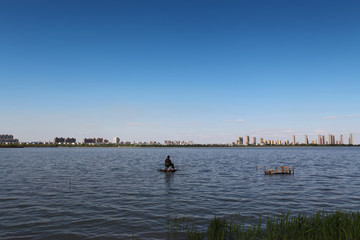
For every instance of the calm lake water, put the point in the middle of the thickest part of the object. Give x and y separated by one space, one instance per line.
117 193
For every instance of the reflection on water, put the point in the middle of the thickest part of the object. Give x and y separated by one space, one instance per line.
106 193
169 178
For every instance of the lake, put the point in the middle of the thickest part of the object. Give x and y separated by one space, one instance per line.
117 193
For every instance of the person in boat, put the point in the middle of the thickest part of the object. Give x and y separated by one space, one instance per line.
168 164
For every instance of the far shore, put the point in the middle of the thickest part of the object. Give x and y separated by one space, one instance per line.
111 145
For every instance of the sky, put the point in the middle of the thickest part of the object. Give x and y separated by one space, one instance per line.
202 71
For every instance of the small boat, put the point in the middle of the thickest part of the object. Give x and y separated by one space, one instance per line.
167 171
283 170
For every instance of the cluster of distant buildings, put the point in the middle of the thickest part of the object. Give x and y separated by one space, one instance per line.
7 138
116 140
61 140
169 142
331 140
319 141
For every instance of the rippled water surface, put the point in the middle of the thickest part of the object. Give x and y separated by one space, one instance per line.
117 193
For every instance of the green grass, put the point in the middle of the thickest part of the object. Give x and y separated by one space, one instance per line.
321 225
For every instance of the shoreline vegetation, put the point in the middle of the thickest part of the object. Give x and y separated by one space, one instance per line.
321 225
111 145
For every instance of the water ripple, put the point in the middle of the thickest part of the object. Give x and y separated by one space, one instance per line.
106 194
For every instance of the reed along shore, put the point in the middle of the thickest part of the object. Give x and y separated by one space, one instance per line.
321 225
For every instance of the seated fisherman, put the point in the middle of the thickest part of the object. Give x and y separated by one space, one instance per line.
168 163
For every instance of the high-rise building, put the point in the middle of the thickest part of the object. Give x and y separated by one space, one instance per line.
306 140
323 140
116 140
351 139
331 139
261 140
293 140
247 140
319 141
341 139
240 141
253 142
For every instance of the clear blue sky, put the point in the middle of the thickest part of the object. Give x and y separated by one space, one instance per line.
207 71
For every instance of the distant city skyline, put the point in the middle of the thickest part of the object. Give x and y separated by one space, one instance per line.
319 140
202 71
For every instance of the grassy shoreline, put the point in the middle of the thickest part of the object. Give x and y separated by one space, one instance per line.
321 225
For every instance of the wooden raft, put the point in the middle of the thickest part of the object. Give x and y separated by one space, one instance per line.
283 170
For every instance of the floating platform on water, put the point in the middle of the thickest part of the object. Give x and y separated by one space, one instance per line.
167 171
283 170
